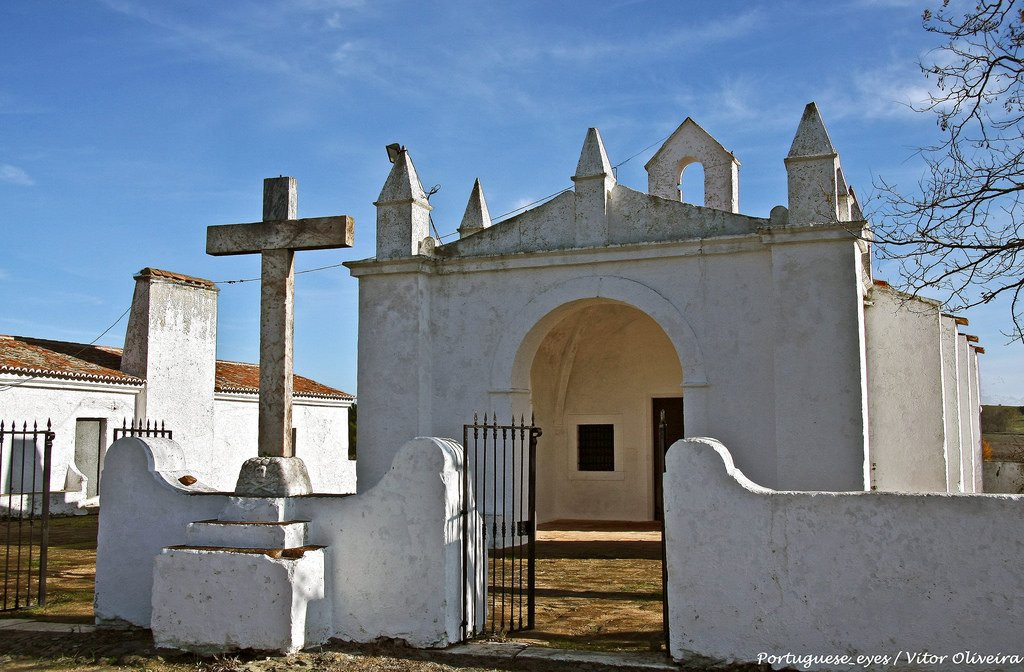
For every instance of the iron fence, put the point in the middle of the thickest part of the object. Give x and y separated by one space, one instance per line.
25 523
500 478
136 428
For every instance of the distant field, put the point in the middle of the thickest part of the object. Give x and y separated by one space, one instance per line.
1002 419
1002 429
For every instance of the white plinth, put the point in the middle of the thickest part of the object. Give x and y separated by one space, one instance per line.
244 534
209 600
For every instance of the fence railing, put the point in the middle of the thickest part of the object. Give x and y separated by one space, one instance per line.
136 428
24 513
500 477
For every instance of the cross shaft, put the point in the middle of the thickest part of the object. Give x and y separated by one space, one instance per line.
277 238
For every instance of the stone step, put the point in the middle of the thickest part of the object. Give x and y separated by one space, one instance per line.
247 534
293 553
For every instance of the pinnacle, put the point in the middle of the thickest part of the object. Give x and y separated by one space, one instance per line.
403 184
856 214
476 217
811 137
593 158
841 185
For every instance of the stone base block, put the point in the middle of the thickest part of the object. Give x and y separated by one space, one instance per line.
257 509
245 534
219 600
273 477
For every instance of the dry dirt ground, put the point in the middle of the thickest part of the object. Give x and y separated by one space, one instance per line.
118 650
598 586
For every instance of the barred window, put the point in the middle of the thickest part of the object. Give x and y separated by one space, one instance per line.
595 447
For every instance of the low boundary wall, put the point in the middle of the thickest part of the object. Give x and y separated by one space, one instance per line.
393 562
755 573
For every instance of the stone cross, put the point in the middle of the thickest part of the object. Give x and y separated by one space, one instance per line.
276 239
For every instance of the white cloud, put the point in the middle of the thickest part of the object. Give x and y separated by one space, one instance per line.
657 44
737 99
14 175
888 91
223 43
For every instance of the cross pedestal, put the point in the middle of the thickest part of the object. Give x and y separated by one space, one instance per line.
277 472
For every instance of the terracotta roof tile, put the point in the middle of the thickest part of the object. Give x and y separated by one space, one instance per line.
60 359
244 377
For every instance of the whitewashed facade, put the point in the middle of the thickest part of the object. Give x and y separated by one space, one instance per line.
585 310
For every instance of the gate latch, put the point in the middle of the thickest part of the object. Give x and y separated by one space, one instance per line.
523 528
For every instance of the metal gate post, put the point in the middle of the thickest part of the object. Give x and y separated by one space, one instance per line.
465 534
662 438
45 534
531 566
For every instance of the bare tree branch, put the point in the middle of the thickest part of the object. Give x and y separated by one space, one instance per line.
959 232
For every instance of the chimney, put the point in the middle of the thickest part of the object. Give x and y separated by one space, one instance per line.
171 342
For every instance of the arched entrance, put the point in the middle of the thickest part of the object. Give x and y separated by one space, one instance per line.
514 354
589 358
595 378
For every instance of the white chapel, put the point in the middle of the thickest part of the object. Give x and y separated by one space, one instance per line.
599 309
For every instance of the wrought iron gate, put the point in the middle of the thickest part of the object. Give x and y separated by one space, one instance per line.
501 529
24 513
662 447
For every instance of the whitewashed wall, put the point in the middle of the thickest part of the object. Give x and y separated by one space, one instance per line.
321 434
974 412
322 427
951 404
63 402
969 411
905 393
754 571
393 558
441 340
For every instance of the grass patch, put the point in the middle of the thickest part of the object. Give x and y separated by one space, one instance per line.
1002 419
71 572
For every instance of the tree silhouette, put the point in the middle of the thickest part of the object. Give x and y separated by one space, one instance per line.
959 232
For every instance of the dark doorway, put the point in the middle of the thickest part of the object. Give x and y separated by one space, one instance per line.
89 449
667 410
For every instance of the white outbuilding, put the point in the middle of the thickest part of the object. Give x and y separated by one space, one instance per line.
167 373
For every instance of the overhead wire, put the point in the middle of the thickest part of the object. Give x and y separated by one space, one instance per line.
260 277
433 190
83 349
502 216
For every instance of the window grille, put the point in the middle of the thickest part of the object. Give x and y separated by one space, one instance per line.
595 447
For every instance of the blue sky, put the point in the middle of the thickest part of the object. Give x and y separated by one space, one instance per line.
127 127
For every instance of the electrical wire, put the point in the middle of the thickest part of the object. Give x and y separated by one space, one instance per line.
502 216
84 348
308 270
